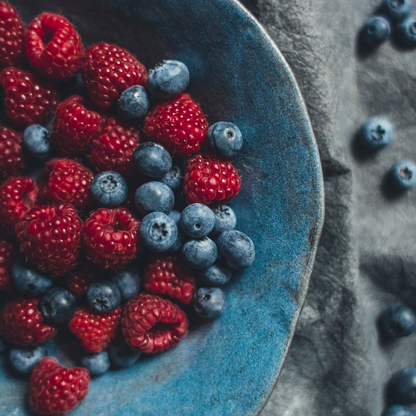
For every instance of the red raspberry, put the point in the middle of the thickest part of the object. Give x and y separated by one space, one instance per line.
65 180
74 127
152 324
28 98
209 180
53 46
11 152
8 255
17 197
21 322
178 124
95 330
113 148
167 274
55 389
12 33
79 280
107 71
110 237
50 238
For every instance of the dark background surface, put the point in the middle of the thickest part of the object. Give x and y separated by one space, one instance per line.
337 363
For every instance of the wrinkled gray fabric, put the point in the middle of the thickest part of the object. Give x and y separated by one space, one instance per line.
337 363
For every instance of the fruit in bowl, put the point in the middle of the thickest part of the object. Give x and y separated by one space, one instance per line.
54 239
266 295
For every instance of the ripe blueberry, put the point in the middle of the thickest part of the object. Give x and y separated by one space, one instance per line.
152 159
225 139
58 305
109 189
158 231
104 296
168 79
209 302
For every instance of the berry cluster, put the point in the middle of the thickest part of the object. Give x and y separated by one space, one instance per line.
118 208
395 15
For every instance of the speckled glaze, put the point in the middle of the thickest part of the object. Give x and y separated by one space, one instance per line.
228 366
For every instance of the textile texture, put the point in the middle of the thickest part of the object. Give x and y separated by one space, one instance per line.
337 363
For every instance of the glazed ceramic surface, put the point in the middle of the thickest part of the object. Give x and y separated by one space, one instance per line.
228 366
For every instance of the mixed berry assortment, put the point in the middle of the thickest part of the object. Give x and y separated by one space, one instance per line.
395 14
93 197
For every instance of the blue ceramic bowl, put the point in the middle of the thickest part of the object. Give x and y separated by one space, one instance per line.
228 366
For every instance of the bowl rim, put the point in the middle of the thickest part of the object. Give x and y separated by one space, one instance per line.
316 235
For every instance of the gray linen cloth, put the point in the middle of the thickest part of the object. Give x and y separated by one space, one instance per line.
337 363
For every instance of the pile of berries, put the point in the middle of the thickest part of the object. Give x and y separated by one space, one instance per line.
395 14
119 208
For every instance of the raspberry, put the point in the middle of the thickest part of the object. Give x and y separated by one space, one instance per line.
209 180
110 237
95 330
79 280
74 127
53 46
167 274
178 124
107 71
50 238
12 33
113 148
55 389
28 98
11 152
8 255
152 324
65 180
21 323
17 197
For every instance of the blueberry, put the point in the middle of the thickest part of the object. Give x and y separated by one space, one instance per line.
402 386
133 103
168 79
109 189
173 178
36 142
154 197
407 32
375 31
97 363
398 9
376 133
197 220
128 282
152 159
225 220
29 281
397 410
122 355
237 249
216 275
403 174
209 302
25 359
200 254
397 321
225 139
58 305
3 344
158 232
176 216
104 296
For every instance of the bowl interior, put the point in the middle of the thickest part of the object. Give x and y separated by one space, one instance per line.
230 365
